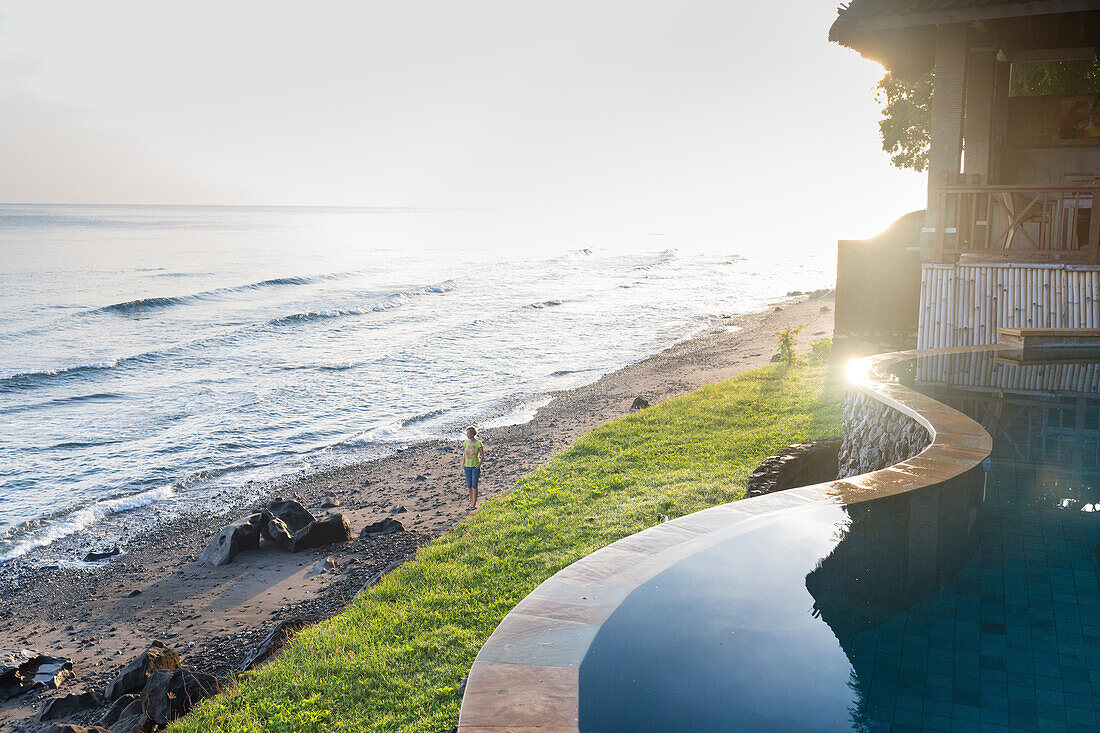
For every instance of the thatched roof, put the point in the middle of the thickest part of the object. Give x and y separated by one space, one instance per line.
901 34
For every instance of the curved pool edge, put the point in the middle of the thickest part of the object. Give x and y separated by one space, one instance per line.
526 676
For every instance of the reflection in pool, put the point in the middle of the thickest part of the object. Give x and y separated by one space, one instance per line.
974 603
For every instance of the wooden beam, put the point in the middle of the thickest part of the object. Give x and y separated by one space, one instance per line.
1085 53
969 15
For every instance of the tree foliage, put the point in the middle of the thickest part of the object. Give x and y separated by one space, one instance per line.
906 119
907 106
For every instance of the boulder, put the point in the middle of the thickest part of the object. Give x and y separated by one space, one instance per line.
73 728
276 640
321 533
276 531
137 723
134 675
243 534
97 555
294 515
114 713
171 693
330 502
22 670
67 705
640 403
398 509
389 525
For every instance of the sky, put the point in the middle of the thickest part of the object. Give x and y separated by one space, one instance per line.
714 118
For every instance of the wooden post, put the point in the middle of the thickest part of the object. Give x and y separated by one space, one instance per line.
1094 222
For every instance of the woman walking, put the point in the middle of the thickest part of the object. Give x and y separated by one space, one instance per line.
473 452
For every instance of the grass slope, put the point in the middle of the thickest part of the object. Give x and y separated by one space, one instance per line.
393 659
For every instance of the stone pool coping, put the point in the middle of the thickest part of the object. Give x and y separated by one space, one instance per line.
526 676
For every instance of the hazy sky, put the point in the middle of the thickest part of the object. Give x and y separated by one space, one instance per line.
682 115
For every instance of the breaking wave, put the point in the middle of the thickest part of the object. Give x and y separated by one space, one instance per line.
392 301
81 518
545 304
144 304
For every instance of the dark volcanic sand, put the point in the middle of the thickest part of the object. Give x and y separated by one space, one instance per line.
214 616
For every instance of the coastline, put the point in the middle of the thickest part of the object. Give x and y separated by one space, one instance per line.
214 616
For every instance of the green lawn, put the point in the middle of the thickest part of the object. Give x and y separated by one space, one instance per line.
393 659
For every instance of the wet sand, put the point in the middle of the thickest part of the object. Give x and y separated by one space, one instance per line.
214 616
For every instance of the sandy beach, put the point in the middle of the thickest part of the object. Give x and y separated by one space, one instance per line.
214 616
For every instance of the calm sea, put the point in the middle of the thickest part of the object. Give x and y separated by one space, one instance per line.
159 360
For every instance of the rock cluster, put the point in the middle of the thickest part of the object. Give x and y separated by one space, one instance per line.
150 691
132 678
23 670
284 523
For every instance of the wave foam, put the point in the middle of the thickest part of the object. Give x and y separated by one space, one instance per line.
545 304
82 518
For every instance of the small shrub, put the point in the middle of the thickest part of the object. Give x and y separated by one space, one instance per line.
787 340
820 350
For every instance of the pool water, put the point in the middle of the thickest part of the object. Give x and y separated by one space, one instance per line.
974 605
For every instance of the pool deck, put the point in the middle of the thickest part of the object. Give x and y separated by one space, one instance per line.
525 677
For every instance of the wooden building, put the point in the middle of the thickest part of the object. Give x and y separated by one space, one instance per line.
1010 236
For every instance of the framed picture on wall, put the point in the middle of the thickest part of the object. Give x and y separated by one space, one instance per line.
1080 117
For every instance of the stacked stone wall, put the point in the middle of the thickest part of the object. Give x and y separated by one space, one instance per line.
876 436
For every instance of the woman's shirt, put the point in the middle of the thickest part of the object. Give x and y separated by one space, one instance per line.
472 449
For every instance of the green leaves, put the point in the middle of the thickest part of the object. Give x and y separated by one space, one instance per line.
906 120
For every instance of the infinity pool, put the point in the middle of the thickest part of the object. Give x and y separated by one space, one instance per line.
972 605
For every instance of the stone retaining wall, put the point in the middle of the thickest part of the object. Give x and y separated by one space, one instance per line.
876 436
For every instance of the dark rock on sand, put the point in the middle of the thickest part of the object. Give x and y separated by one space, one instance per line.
321 533
97 555
134 593
22 670
128 717
66 706
398 509
137 723
640 403
274 641
133 676
235 537
330 502
389 525
73 728
114 713
294 515
171 693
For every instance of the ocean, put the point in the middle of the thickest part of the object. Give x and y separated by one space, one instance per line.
156 361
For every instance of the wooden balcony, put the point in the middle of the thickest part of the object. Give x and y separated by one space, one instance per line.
1022 224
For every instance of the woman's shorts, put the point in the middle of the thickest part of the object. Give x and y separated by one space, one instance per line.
472 474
